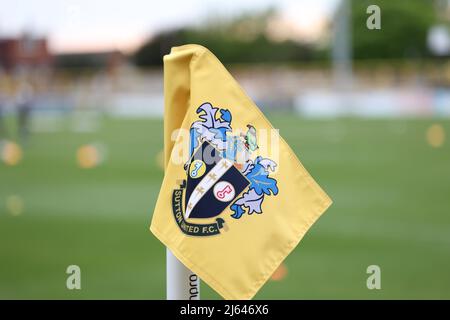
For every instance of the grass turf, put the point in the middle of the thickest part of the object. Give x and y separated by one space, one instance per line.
391 208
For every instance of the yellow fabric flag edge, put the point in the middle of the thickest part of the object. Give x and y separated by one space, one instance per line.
325 203
210 280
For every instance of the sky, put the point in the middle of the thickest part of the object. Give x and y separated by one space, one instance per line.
94 25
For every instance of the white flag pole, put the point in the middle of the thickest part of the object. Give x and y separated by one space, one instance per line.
182 283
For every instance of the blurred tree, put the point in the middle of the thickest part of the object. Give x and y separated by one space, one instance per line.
403 33
240 40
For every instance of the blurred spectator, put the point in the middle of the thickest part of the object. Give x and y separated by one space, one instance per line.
2 129
24 101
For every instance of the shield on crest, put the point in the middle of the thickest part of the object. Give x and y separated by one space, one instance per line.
213 183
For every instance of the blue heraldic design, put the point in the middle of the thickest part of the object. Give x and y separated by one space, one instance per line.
251 179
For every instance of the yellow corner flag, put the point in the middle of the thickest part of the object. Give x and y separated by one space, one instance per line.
235 200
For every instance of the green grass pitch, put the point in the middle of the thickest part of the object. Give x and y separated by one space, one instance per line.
391 193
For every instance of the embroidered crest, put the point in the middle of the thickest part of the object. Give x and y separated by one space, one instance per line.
221 174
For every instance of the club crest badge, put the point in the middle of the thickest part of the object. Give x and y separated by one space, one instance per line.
220 175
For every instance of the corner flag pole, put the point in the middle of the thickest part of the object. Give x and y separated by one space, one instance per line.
182 283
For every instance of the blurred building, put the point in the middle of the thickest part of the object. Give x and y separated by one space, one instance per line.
30 53
24 52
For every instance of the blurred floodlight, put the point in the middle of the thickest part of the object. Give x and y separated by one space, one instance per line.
280 273
11 153
14 205
439 40
435 135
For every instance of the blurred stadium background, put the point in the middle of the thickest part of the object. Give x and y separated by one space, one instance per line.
366 111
